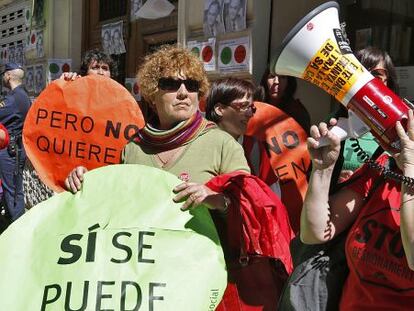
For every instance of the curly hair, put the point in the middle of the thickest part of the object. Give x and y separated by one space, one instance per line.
98 56
168 61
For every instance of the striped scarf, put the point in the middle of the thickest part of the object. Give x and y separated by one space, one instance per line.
182 134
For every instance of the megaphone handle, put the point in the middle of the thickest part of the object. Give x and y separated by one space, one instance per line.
338 131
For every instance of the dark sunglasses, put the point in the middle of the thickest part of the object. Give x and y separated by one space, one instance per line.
171 84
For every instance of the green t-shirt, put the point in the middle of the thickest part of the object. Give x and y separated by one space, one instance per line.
213 153
351 160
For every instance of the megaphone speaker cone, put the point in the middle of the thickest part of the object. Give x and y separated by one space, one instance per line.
317 51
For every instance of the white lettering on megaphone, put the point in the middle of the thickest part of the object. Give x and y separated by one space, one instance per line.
387 99
374 106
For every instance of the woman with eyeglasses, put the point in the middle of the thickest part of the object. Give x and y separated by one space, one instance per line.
209 161
179 140
230 105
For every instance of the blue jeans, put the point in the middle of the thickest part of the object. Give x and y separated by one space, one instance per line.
12 182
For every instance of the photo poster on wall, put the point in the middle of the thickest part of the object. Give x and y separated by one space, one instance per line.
57 66
40 51
29 79
213 18
39 79
234 55
11 54
132 86
112 38
206 52
19 54
14 54
234 14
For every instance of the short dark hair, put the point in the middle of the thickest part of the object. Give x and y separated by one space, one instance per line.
100 57
224 91
287 94
371 56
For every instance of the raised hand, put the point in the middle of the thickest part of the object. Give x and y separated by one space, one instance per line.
323 157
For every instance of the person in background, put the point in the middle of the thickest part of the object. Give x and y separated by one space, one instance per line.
230 105
13 111
279 91
94 62
209 161
380 65
379 214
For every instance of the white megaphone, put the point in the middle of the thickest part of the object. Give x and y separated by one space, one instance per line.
315 50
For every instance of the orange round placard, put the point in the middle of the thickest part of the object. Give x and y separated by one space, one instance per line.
83 122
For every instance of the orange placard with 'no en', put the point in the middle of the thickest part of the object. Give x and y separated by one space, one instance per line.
286 147
83 122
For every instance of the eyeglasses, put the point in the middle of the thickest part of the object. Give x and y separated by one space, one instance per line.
172 85
243 106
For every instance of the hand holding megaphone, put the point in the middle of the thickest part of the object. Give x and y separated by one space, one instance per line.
351 127
315 50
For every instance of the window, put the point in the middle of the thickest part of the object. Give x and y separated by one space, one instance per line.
109 9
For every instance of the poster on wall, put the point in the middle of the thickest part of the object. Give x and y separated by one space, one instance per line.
57 66
39 79
213 18
234 14
132 86
206 52
38 12
40 51
234 55
27 16
112 38
34 47
29 79
11 54
19 54
3 55
106 38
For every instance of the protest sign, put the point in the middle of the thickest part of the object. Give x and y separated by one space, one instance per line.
286 147
121 243
83 122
